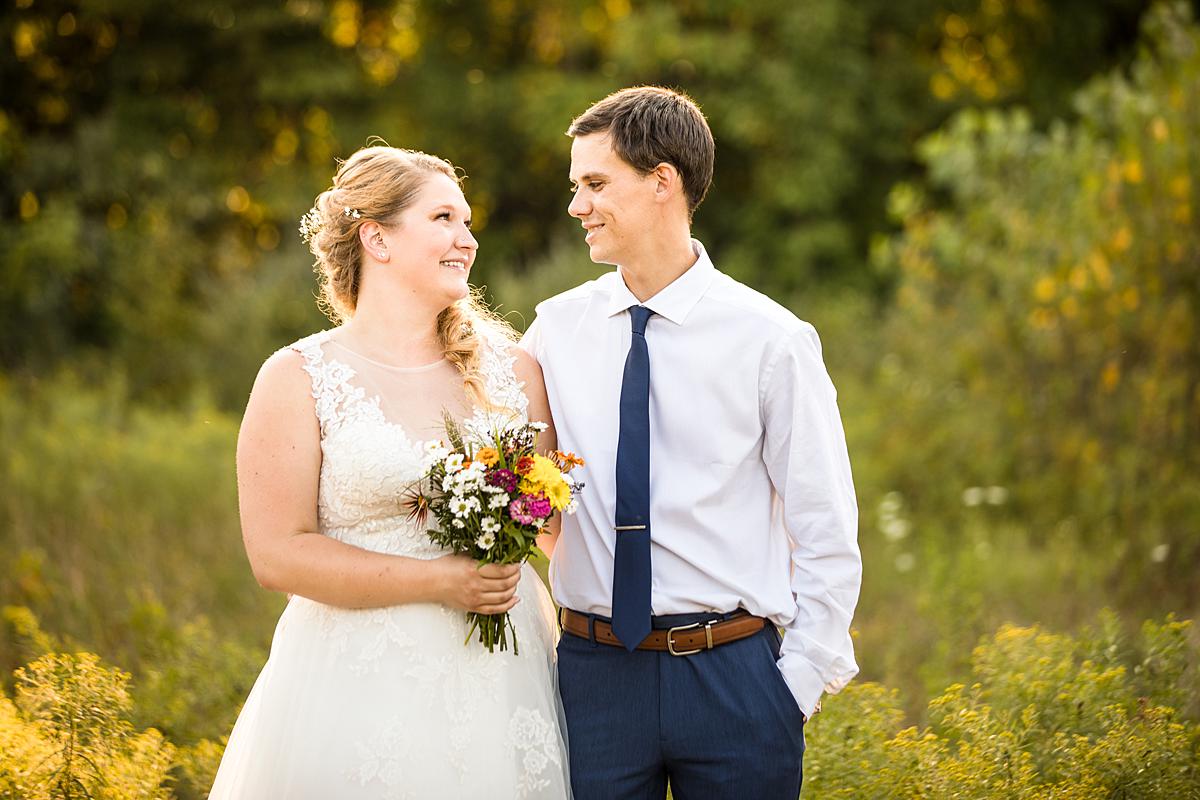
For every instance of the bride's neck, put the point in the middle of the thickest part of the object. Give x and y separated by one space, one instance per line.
394 330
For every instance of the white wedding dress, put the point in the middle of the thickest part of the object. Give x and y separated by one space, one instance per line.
359 704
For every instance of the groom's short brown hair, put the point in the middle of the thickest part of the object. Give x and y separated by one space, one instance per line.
649 125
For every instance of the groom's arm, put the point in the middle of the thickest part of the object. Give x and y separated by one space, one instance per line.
805 453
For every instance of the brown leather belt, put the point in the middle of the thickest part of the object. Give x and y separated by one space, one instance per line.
682 640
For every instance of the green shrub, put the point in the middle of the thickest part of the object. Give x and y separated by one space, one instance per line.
67 735
1047 716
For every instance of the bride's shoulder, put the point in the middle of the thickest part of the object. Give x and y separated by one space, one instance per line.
287 371
525 366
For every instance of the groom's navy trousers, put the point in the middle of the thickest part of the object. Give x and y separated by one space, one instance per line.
721 723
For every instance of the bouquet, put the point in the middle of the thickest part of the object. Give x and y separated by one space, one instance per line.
491 500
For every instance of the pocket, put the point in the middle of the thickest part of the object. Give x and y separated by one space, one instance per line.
788 699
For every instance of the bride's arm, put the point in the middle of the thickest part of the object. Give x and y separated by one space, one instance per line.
528 370
278 470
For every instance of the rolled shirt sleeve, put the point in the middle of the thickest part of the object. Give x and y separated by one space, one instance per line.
804 449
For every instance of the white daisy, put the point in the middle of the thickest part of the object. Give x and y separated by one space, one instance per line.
454 462
498 500
460 506
489 525
485 540
437 450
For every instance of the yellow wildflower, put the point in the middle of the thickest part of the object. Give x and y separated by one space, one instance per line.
545 477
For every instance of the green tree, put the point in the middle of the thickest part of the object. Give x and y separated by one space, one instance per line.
1045 332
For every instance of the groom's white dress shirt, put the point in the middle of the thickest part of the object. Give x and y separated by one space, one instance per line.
751 499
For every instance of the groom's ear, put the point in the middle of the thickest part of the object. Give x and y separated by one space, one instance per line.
668 182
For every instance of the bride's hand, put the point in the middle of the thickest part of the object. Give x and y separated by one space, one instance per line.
490 589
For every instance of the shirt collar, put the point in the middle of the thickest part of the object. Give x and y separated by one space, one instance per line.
675 300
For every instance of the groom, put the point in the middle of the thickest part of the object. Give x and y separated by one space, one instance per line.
719 505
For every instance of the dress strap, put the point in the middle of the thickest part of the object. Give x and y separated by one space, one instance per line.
336 397
496 364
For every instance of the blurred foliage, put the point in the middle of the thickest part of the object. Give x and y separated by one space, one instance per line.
188 686
1043 343
67 735
153 166
1046 716
1045 335
109 508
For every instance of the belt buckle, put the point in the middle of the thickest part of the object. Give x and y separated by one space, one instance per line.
671 642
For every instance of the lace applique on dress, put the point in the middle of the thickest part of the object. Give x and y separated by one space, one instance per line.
535 743
506 393
338 401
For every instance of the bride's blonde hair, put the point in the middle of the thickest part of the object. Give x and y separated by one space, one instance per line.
378 183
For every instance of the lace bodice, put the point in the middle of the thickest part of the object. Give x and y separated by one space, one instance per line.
369 459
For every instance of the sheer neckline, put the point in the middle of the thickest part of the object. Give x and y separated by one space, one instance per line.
392 367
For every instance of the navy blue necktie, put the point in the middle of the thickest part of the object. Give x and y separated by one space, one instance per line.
631 567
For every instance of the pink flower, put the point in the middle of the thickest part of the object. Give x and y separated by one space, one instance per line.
519 510
539 506
529 509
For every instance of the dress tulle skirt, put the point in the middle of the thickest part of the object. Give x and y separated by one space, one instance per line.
389 703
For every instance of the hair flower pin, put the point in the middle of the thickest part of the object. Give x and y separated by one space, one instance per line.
353 213
310 225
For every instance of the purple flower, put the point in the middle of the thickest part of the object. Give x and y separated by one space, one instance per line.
503 478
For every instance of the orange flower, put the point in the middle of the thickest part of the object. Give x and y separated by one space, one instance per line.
524 465
487 456
567 461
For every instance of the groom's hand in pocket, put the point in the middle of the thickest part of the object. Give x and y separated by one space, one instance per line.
490 589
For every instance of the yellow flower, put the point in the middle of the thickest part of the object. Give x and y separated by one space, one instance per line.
545 477
487 456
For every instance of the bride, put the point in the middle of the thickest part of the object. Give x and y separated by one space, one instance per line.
369 691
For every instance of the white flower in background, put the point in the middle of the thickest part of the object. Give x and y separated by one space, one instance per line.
448 483
486 540
891 504
905 562
891 521
538 426
1159 553
895 529
460 506
454 462
996 495
489 525
572 506
472 503
458 523
499 499
973 496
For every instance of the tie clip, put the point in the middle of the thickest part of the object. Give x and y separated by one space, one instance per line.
629 528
